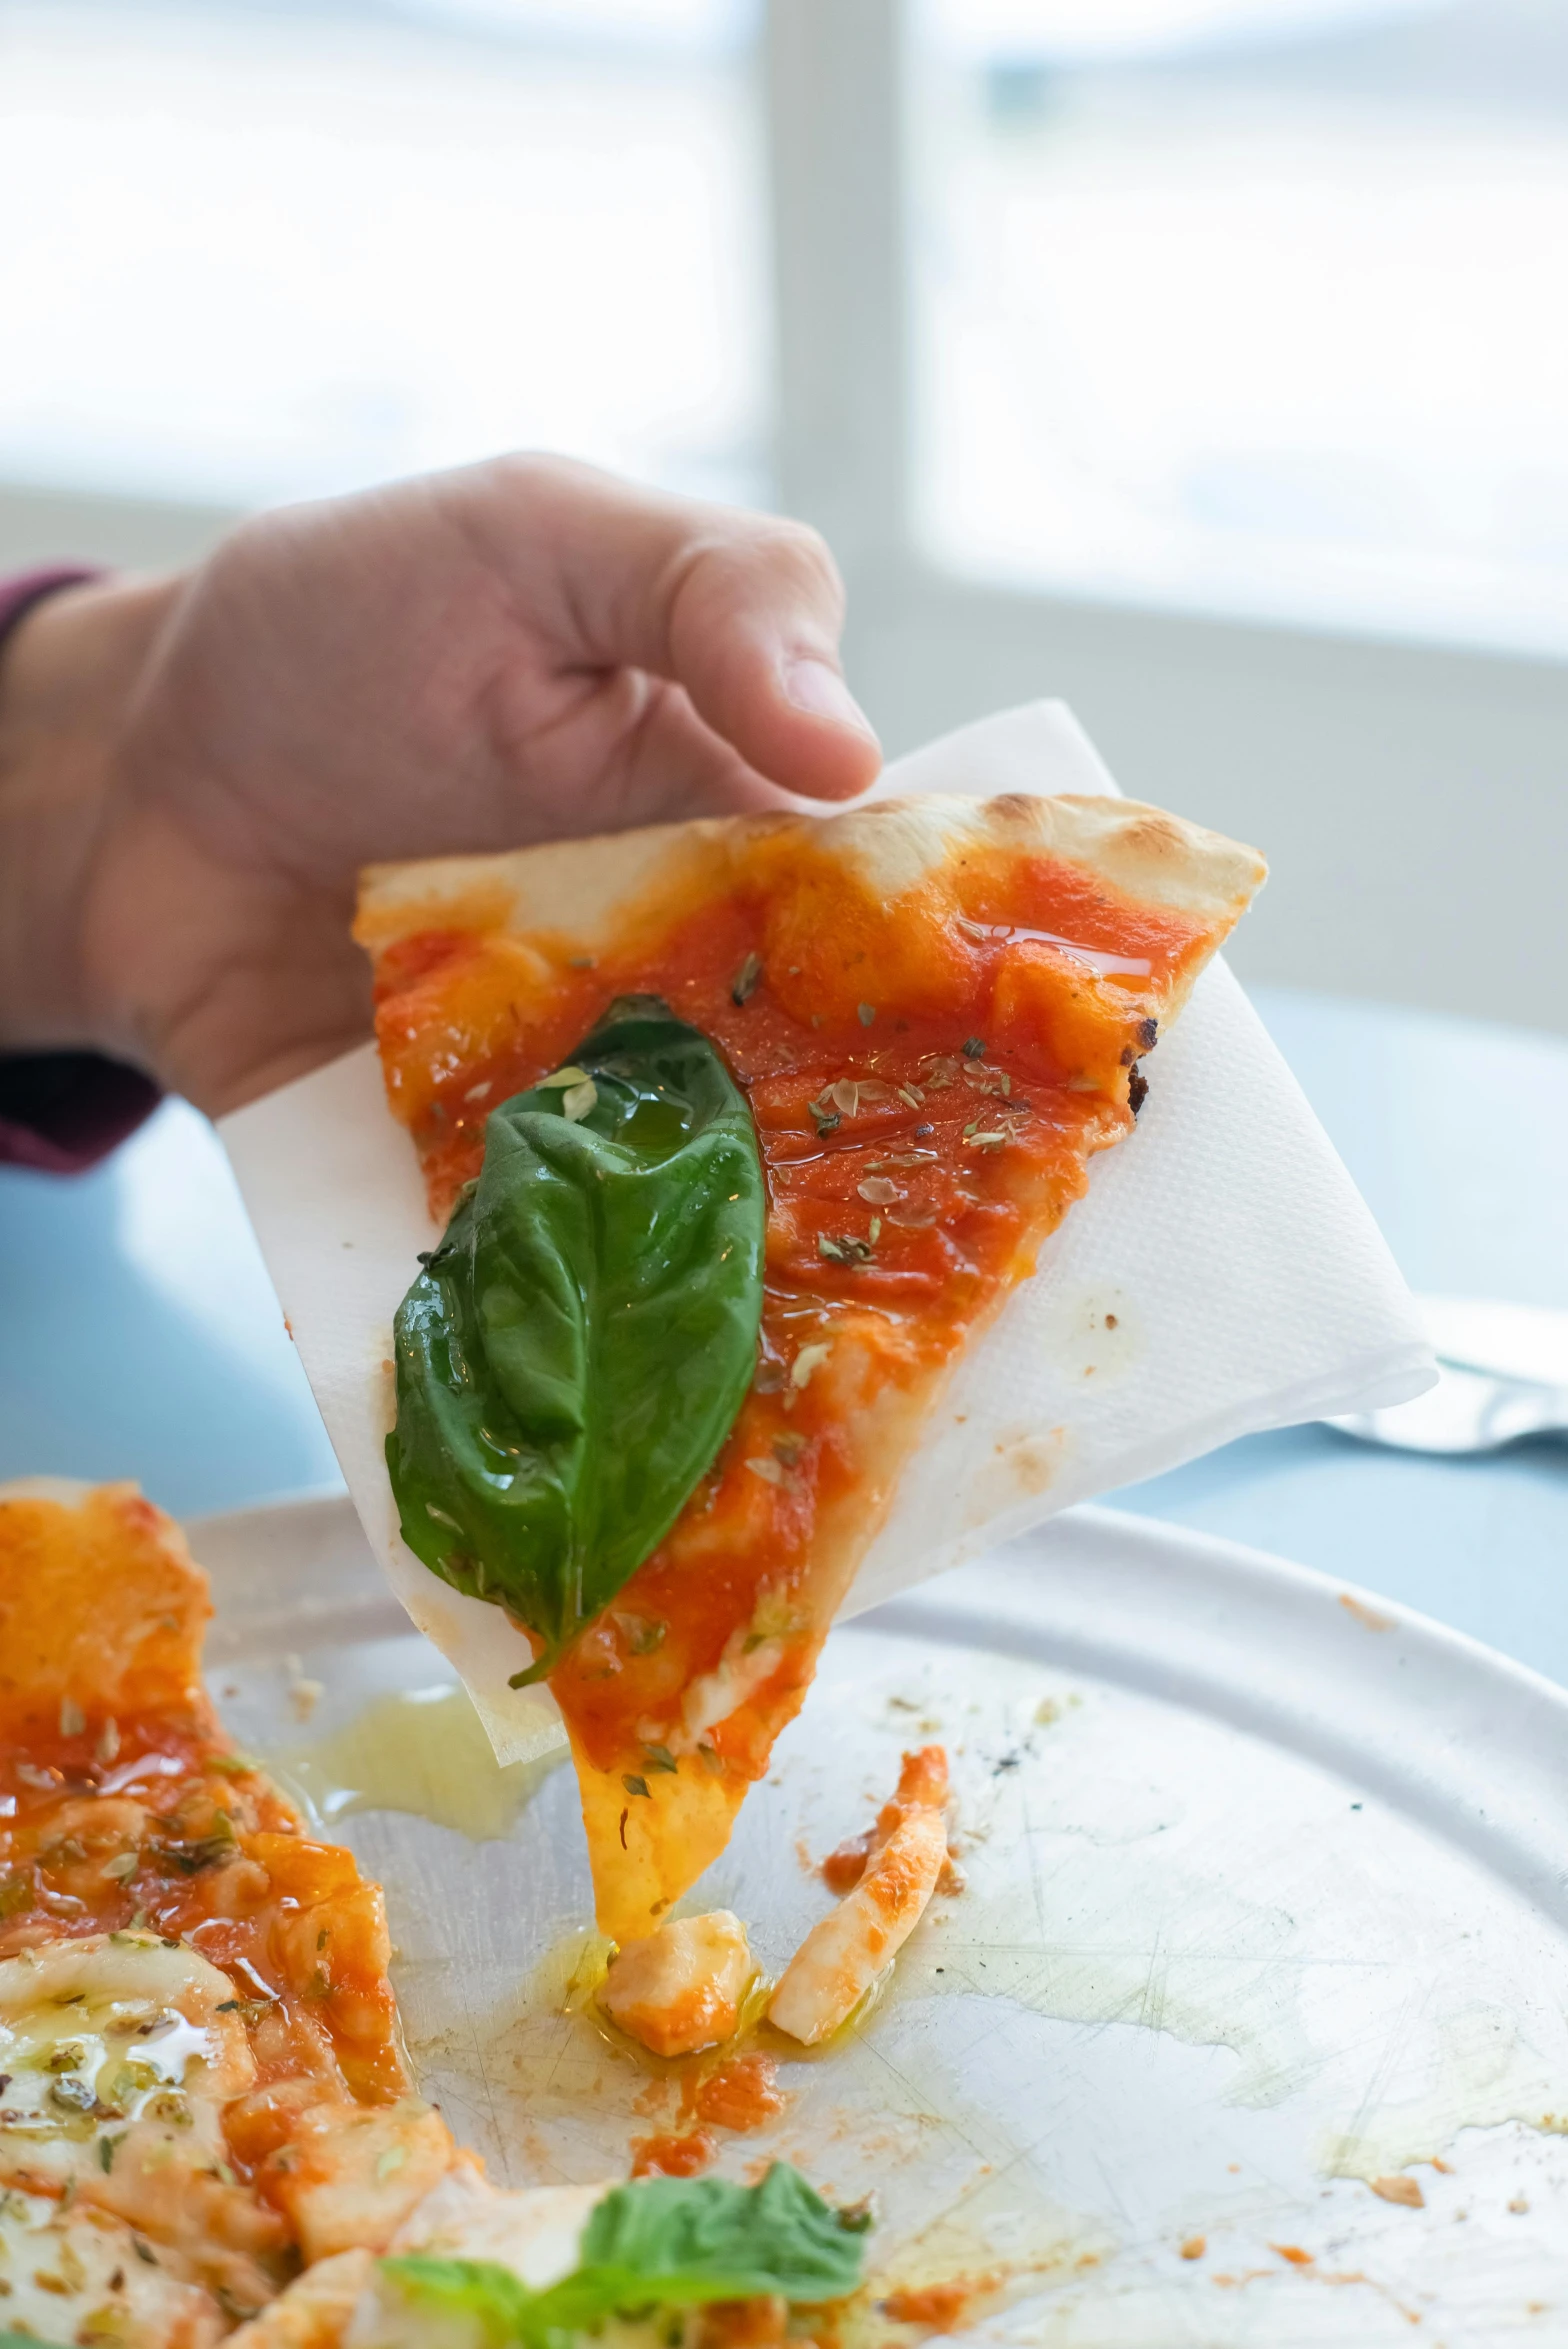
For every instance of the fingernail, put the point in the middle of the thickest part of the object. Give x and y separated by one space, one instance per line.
818 689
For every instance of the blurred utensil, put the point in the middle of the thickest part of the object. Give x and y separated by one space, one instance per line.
1503 1375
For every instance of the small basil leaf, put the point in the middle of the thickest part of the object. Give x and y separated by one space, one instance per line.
498 2305
680 2239
659 2243
573 1354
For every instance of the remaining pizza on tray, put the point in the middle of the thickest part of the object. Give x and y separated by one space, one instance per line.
206 2129
201 2080
741 1130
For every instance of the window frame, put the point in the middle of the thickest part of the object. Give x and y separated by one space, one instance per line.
1412 794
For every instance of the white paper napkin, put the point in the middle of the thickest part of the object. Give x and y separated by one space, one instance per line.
1222 1275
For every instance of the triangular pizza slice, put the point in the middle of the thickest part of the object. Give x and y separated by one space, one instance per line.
744 1127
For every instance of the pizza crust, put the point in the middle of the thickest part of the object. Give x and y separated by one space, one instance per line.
588 889
101 1607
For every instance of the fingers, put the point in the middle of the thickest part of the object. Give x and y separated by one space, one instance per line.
669 765
632 750
749 623
742 611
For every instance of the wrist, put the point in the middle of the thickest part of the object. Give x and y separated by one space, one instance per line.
68 670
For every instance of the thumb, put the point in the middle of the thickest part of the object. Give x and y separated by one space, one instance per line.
743 611
752 628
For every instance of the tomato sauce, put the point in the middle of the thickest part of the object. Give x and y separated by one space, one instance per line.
673 2157
155 1824
941 2308
928 1081
741 2094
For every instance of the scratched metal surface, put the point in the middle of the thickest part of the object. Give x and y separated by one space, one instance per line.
1267 1899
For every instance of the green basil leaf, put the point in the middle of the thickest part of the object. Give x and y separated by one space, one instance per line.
498 2304
660 2243
574 1353
685 2239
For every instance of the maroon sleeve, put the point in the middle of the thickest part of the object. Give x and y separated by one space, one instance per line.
62 1111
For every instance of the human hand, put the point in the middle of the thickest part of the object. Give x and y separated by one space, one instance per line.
192 771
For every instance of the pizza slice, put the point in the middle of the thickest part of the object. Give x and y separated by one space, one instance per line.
201 2081
741 1131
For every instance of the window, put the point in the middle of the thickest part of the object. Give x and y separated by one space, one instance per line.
274 250
1250 306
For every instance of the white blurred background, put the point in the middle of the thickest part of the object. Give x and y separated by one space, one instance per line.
1205 361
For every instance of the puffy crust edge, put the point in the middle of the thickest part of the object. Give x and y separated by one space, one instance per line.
580 888
101 1603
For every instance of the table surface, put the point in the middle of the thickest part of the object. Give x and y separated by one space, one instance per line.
140 1336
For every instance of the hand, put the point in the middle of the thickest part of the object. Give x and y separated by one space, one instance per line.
192 771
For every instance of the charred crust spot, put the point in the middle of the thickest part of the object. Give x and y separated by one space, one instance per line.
1155 835
1137 1090
1148 1034
1014 807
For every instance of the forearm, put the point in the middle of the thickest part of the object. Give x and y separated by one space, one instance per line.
68 671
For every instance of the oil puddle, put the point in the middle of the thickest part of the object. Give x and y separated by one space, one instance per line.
422 1751
1484 2066
1159 1913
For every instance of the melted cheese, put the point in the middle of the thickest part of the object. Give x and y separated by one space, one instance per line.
77 2275
99 2035
681 1988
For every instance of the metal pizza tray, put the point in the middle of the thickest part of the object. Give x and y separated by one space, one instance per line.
1250 2027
